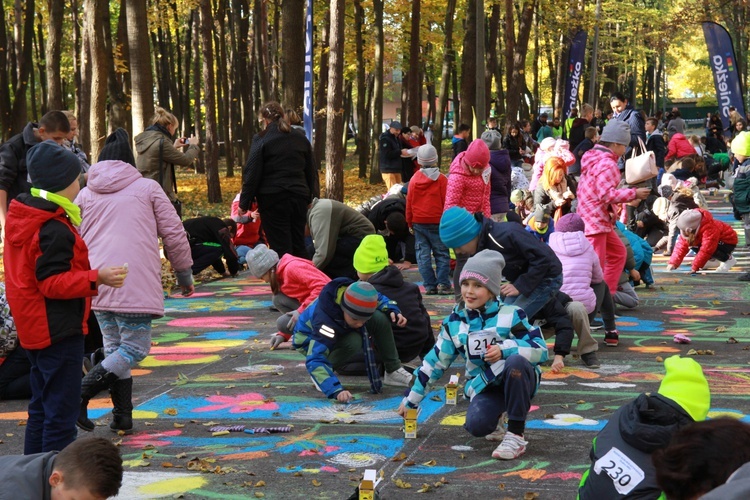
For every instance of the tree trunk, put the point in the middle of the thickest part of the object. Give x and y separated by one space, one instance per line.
293 53
363 150
141 78
516 82
225 71
94 12
414 94
445 76
83 110
55 10
469 66
119 106
319 141
242 67
163 70
77 56
335 151
24 63
260 18
199 165
377 92
209 100
492 54
5 118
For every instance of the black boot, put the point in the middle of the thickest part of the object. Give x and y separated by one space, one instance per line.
92 384
122 400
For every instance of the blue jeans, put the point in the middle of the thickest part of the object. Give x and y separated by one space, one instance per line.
532 303
242 251
512 394
55 395
427 244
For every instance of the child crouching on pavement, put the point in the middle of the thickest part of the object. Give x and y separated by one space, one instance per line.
371 263
502 352
708 237
338 325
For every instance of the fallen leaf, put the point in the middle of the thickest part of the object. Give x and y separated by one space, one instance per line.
178 425
181 379
732 340
401 484
181 455
659 359
259 494
229 386
148 424
167 465
260 484
120 433
352 470
297 474
266 386
9 434
530 495
565 406
580 402
502 486
424 489
399 458
316 483
443 480
436 398
692 352
149 447
720 328
430 463
21 423
409 463
171 411
462 456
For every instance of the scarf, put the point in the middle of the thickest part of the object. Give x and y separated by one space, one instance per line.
161 129
72 210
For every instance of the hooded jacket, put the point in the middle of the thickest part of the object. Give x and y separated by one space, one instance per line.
147 145
514 335
527 260
636 430
742 189
632 117
377 216
124 215
416 336
329 220
27 476
710 233
655 143
318 328
597 190
390 153
500 186
678 147
425 197
13 172
48 280
580 266
471 192
300 279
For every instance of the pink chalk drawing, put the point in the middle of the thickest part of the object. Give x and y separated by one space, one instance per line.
252 291
218 322
142 439
243 403
196 295
689 311
316 452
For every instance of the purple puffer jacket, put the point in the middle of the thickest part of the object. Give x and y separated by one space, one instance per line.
580 266
500 186
124 215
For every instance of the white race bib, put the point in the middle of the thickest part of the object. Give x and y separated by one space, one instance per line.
486 173
480 341
625 474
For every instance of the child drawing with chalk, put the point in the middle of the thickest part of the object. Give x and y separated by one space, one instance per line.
502 351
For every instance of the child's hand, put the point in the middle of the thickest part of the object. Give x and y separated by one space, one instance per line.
642 193
398 319
559 203
493 354
401 409
187 291
344 397
508 290
254 215
670 267
557 364
277 340
112 276
635 275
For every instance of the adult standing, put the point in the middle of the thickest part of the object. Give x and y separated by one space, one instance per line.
280 174
158 154
625 112
578 128
390 155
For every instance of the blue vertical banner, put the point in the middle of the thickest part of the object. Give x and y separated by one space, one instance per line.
724 66
574 73
307 106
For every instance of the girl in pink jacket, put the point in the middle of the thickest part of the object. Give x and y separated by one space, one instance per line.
295 284
124 215
469 180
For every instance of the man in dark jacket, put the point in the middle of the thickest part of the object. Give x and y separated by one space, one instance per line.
621 454
578 127
655 142
390 155
591 137
625 112
210 238
389 219
531 267
53 126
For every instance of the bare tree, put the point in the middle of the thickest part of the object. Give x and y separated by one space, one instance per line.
335 124
141 78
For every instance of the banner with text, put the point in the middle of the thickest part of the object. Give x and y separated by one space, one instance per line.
307 119
574 73
726 76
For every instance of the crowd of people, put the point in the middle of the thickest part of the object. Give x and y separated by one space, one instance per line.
534 232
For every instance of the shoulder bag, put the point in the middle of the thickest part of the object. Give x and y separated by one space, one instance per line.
642 167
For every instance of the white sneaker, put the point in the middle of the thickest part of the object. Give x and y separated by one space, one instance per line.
725 267
498 434
399 378
513 446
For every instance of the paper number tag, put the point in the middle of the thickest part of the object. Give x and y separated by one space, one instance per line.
480 341
625 474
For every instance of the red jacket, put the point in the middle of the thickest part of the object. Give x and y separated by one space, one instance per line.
300 279
425 199
710 233
48 279
249 232
471 192
679 146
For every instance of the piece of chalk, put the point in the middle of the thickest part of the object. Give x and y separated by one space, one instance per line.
220 433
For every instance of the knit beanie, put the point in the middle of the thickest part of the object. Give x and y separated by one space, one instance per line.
427 155
52 167
117 147
689 220
541 214
517 196
486 267
261 259
371 256
547 143
570 223
458 227
661 205
477 155
616 132
360 300
741 144
493 139
685 384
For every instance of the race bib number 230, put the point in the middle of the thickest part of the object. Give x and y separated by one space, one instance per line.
625 474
